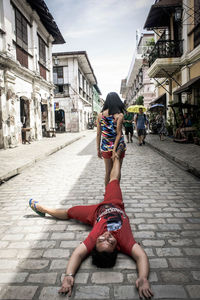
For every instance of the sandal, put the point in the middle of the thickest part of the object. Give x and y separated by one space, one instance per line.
41 214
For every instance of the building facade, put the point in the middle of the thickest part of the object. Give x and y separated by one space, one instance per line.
138 82
74 79
27 31
97 101
174 62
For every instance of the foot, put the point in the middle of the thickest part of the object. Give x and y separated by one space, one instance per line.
143 142
37 207
140 144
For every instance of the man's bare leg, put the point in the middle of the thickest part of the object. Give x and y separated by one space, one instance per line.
56 213
108 168
116 170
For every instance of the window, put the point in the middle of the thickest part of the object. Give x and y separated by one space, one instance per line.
42 51
59 89
21 38
21 30
196 23
43 72
62 89
22 56
58 75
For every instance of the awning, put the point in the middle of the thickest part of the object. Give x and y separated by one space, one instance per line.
159 14
160 99
188 86
183 105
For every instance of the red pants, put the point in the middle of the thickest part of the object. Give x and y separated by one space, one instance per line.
87 213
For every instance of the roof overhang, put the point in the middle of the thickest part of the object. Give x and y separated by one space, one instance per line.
187 87
47 20
97 89
158 16
83 62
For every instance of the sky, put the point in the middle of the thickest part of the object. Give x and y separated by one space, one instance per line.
106 30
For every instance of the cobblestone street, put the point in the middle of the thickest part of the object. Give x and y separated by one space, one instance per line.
161 200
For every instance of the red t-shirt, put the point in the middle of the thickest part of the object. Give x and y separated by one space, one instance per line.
106 216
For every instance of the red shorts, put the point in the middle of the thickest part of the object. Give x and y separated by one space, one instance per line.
108 154
87 213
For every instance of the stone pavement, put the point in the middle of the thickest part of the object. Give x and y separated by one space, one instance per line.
186 155
13 161
161 200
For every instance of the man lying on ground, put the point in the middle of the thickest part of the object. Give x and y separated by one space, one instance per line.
111 233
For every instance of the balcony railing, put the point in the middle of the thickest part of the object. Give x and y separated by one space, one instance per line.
166 49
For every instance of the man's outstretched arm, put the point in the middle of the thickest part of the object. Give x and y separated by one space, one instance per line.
74 262
142 261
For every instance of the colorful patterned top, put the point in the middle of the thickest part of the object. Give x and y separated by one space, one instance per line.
109 133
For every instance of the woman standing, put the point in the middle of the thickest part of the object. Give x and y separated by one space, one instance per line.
110 139
160 121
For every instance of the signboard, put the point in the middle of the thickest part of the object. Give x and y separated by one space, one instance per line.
56 105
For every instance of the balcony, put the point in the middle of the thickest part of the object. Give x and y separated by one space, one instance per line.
165 57
166 49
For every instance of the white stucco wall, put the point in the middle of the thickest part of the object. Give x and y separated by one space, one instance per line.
18 81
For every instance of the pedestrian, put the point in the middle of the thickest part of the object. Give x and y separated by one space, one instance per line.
128 125
140 124
109 132
161 128
111 233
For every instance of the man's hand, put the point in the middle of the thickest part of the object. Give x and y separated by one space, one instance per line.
144 289
114 155
67 286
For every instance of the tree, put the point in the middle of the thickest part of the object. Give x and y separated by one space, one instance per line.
140 100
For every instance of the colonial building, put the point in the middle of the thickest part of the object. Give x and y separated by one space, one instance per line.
175 59
75 80
27 31
138 82
97 101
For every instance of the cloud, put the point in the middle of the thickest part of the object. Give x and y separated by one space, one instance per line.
79 33
94 16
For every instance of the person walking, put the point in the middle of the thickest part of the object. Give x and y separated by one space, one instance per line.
140 124
109 132
128 125
111 233
160 122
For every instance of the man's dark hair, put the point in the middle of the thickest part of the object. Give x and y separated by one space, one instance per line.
104 259
114 104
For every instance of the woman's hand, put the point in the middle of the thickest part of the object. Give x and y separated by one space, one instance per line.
144 289
67 286
114 155
99 154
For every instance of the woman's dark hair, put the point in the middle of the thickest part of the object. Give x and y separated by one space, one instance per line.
114 104
104 259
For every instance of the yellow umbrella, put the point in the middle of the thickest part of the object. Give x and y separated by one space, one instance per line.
135 108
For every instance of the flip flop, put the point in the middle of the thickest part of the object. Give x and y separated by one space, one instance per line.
41 214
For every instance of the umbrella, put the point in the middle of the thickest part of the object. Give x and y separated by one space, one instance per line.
157 106
135 108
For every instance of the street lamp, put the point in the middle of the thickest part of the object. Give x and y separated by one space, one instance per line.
178 13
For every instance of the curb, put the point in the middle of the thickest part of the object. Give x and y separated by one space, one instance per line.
18 170
172 158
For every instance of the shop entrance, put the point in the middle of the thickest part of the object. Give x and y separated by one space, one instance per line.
25 120
44 118
60 120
